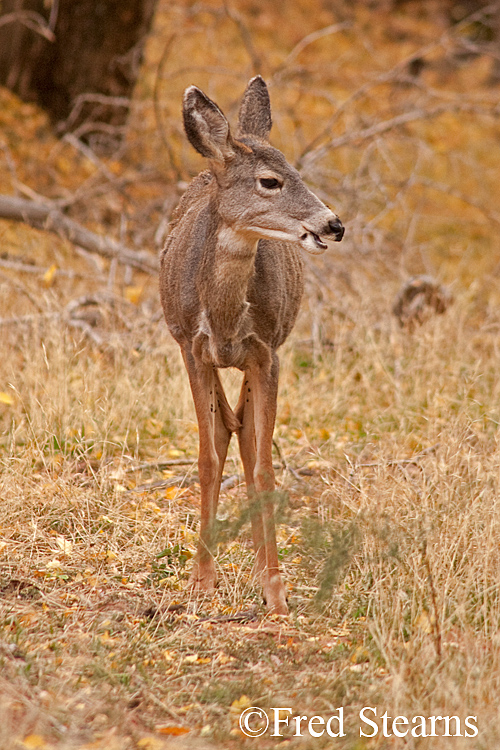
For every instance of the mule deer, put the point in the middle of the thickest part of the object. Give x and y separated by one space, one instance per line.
231 281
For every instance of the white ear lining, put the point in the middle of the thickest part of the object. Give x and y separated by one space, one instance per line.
209 129
206 136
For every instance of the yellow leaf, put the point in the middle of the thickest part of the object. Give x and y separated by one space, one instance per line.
150 743
34 742
239 705
48 276
133 294
6 398
360 655
424 622
54 565
65 165
173 731
189 536
107 640
64 545
223 658
184 709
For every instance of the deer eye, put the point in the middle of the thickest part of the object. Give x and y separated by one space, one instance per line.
270 183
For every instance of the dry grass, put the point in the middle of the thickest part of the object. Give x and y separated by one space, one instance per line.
389 540
386 440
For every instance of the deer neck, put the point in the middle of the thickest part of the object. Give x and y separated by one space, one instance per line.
228 272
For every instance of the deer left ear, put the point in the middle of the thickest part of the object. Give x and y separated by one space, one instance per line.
206 127
255 111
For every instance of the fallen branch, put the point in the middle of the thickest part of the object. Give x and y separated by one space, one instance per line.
50 218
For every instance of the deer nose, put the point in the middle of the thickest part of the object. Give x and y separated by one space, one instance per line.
336 227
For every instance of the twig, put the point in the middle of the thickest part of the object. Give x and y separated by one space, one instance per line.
28 319
399 461
160 465
82 99
161 484
49 217
164 707
14 265
450 190
284 465
158 110
310 39
392 76
246 37
81 325
230 482
21 290
247 615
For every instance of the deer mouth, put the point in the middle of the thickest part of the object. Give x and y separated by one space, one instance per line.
316 239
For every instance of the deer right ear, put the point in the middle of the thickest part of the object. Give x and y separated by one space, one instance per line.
206 127
255 111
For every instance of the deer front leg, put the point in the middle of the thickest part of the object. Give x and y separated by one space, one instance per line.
213 443
264 389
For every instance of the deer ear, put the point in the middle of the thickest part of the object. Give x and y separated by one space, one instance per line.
255 110
206 127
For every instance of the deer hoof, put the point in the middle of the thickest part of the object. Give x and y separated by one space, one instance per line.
203 577
275 597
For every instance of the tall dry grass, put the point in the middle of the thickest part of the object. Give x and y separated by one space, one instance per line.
389 539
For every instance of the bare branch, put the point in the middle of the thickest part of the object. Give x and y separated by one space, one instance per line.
379 128
246 37
88 98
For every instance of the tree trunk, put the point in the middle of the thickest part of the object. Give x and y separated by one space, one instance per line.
77 59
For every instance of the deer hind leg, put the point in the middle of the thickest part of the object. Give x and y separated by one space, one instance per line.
248 452
214 437
262 383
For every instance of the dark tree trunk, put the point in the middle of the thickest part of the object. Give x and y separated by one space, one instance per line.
78 59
